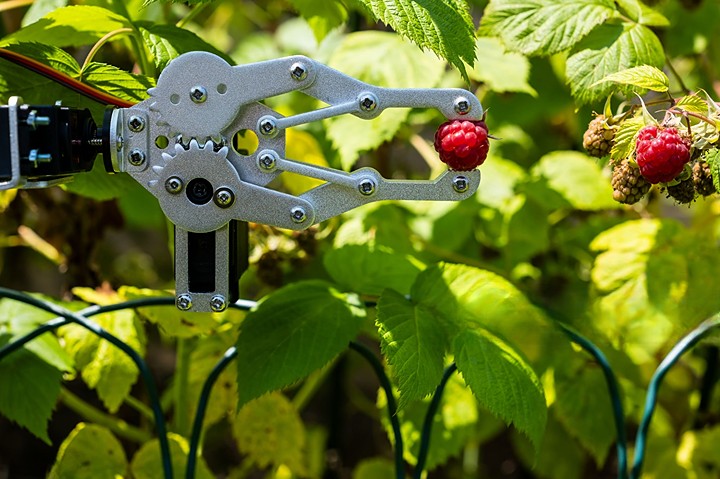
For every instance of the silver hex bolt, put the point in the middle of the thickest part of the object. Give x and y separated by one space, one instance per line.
267 162
367 102
298 71
218 303
462 105
136 157
198 94
224 197
461 184
367 186
268 126
183 302
298 214
174 185
136 123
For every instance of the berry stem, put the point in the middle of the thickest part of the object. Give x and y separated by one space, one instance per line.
692 114
676 75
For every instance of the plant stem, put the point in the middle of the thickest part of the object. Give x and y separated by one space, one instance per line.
100 43
191 14
140 407
182 380
676 75
92 414
10 4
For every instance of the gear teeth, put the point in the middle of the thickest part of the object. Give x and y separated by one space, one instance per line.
158 169
153 183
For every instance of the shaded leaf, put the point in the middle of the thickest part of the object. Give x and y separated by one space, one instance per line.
443 26
117 82
578 178
90 452
147 463
270 432
381 59
75 25
294 331
369 270
502 71
502 381
166 42
414 342
30 390
376 468
322 15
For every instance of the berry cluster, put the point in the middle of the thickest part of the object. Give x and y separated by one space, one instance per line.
658 154
462 144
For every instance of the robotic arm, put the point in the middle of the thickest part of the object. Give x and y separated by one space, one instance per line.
175 144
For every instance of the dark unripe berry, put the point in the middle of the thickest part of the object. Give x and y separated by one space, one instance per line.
598 138
628 184
462 144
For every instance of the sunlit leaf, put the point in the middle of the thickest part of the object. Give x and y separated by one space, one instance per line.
90 452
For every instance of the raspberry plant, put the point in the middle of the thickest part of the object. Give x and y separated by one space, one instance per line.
481 283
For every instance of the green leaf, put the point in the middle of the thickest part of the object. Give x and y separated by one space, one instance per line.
502 381
365 269
166 42
693 103
500 70
466 297
625 137
105 367
40 8
443 26
19 319
99 185
414 342
147 463
712 156
583 406
375 468
270 432
610 48
543 27
698 455
323 16
455 423
54 57
90 452
652 275
30 390
76 25
381 59
644 76
578 178
172 321
294 331
117 82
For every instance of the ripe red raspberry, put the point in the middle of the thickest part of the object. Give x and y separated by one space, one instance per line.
462 144
661 153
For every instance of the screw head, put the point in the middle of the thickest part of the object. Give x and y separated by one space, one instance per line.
461 184
298 214
183 302
198 94
267 162
268 126
136 157
218 303
367 102
298 71
367 186
462 105
224 197
136 123
174 185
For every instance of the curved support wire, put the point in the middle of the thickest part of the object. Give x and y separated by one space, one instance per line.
67 317
428 421
391 404
613 391
680 348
